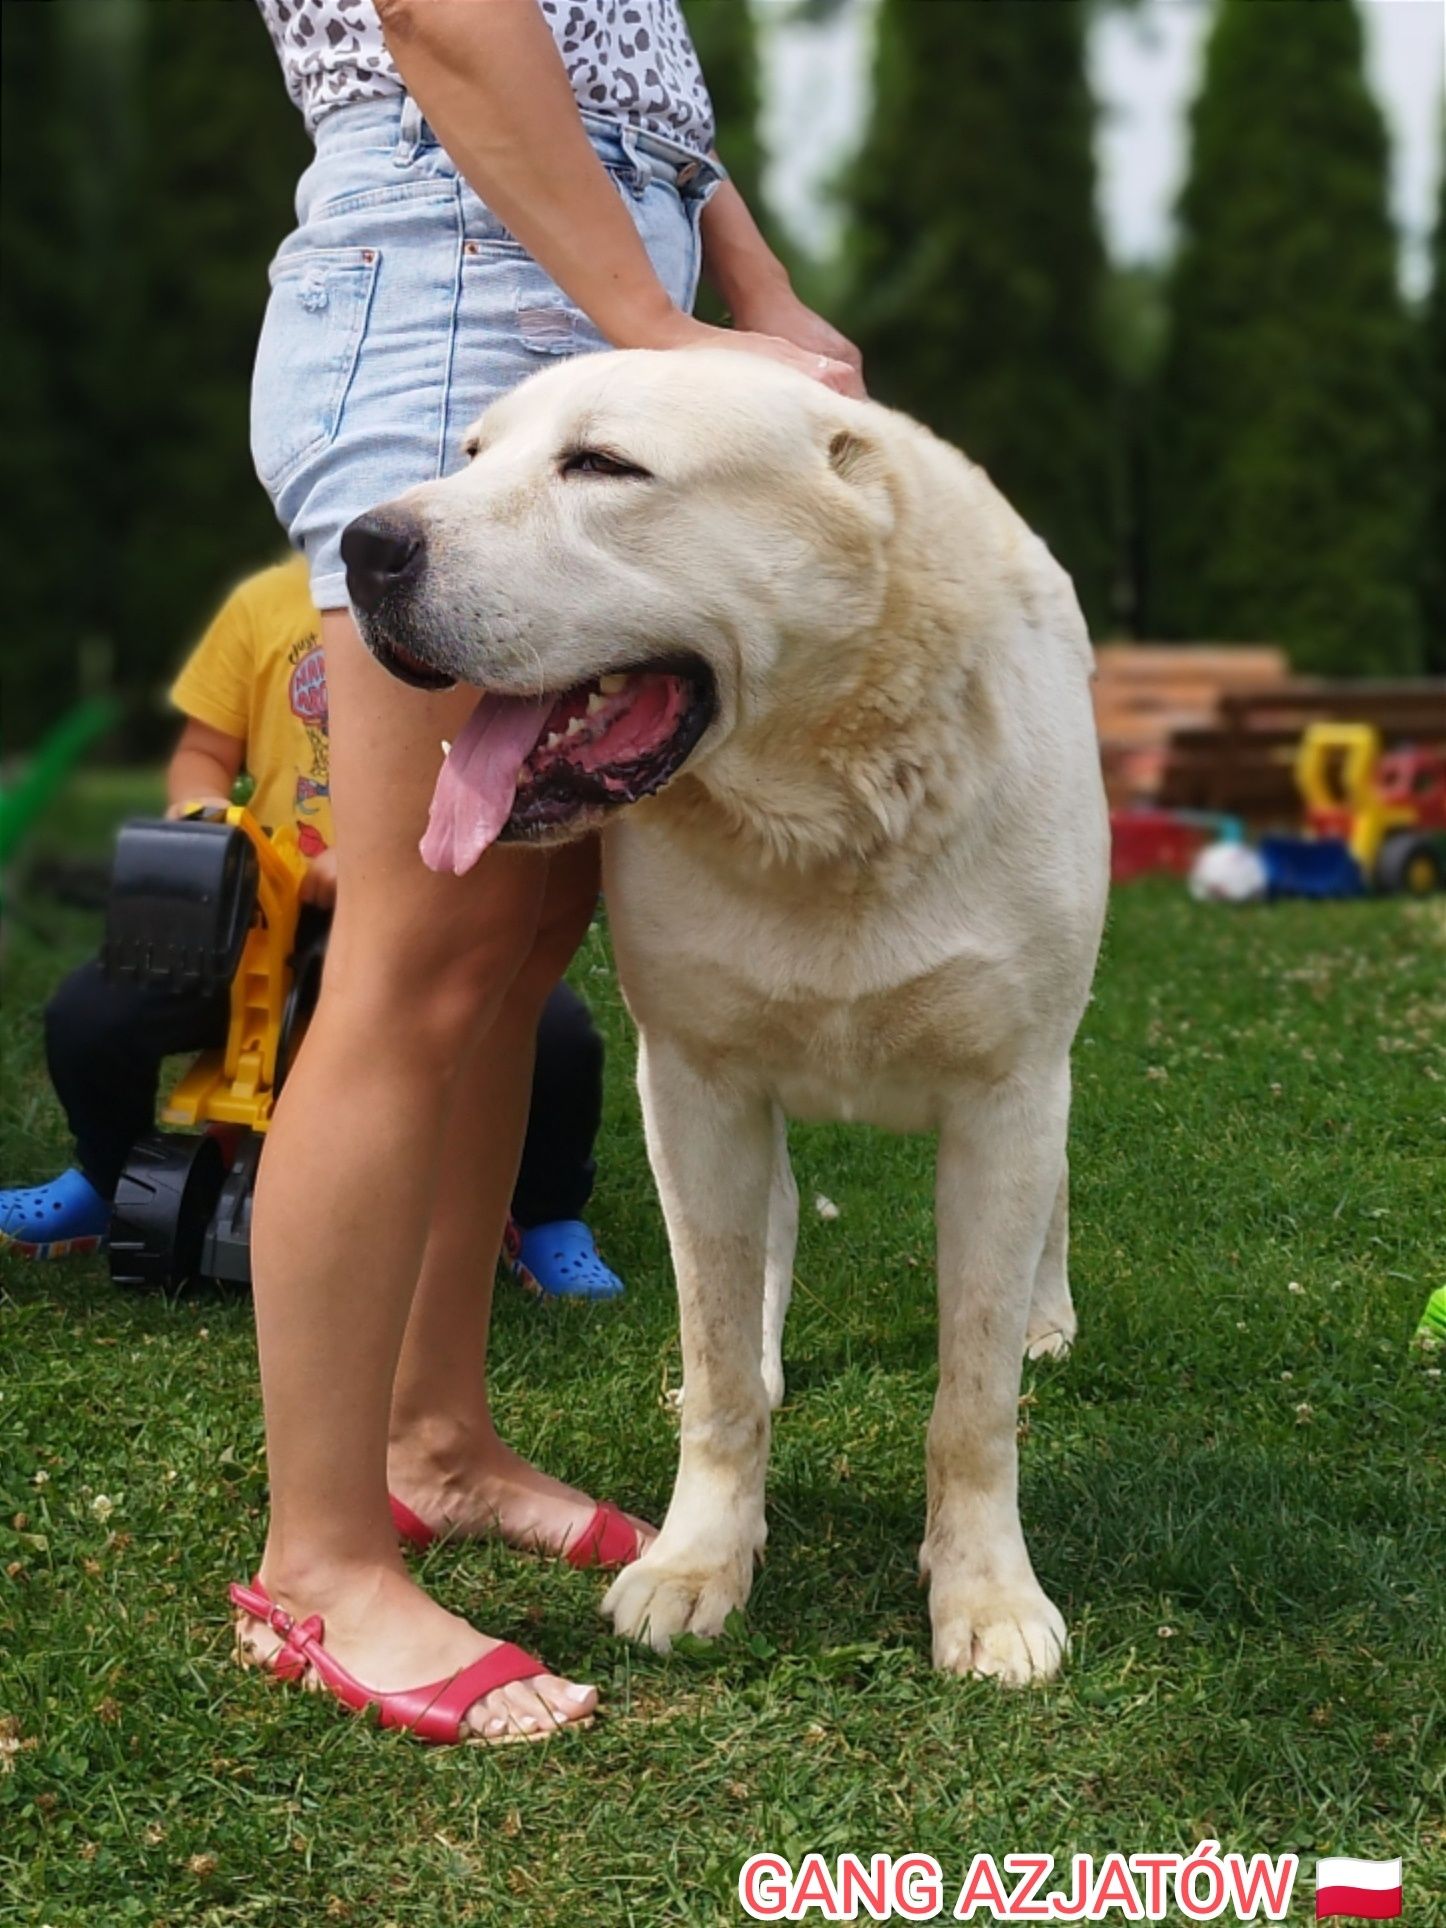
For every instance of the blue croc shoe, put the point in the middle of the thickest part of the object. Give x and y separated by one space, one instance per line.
65 1219
560 1261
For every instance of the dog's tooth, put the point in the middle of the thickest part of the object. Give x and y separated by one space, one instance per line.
611 685
551 740
577 724
595 703
446 749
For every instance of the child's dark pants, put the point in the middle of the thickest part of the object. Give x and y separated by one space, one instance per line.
105 1040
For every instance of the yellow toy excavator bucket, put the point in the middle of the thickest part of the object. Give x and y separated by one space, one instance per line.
237 1085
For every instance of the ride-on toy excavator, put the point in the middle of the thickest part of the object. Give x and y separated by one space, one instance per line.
205 901
1375 822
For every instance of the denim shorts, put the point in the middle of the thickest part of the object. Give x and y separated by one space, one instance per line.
400 307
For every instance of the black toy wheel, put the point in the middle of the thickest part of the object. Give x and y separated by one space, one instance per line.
1411 865
163 1205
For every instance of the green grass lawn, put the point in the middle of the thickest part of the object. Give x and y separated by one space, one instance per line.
1233 1488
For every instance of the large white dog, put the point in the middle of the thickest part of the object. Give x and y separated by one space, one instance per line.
838 695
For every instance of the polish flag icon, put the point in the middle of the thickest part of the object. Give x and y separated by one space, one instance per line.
1369 1890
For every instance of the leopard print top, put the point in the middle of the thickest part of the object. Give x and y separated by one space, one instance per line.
631 60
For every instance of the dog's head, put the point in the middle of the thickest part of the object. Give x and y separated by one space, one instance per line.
638 546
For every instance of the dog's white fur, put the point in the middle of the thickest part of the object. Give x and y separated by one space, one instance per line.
874 892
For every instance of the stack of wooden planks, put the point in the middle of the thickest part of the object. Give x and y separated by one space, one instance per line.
1243 760
1215 726
1147 692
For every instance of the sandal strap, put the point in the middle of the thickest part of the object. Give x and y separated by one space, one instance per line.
411 1526
432 1713
296 1634
608 1540
300 1639
436 1713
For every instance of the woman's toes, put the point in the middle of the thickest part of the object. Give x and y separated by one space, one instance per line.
528 1712
565 1700
489 1716
530 1709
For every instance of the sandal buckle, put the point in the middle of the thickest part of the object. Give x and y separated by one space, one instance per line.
280 1621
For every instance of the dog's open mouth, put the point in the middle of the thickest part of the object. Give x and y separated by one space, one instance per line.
406 667
529 768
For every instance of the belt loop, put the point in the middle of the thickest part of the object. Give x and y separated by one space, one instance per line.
409 133
639 165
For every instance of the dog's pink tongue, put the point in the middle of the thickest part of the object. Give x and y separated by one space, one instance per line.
478 781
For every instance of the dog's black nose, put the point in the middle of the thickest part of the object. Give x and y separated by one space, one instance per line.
381 551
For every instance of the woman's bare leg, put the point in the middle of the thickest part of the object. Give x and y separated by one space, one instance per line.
418 969
446 1460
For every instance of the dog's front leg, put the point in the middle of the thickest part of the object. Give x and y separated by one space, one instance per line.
711 1146
1000 1156
778 1269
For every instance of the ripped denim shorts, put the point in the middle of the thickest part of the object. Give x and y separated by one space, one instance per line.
400 307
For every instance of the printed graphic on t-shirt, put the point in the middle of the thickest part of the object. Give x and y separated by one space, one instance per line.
306 690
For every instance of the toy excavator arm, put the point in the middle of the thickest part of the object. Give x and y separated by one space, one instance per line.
239 1087
1336 765
1335 770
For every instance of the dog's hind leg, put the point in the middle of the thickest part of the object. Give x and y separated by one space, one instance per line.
712 1148
1052 1322
1000 1155
778 1272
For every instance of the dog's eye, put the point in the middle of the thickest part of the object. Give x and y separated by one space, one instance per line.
599 462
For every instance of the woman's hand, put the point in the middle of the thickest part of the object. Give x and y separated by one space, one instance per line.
819 351
778 312
769 319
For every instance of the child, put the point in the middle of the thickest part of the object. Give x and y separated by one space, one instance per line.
254 695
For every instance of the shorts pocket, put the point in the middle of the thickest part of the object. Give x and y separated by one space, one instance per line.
314 323
547 323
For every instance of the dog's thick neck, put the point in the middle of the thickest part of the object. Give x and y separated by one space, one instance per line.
884 746
891 756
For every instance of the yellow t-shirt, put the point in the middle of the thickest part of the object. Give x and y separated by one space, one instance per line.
258 673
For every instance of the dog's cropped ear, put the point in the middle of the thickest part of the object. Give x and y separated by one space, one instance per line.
857 459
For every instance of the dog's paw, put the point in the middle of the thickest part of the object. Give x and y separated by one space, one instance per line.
1049 1342
663 1595
1012 1634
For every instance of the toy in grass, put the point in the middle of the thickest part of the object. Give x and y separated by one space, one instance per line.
1228 873
1374 822
1144 841
208 900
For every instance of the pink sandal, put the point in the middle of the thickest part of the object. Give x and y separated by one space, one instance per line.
608 1540
433 1713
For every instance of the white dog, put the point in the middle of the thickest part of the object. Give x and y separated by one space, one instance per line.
846 692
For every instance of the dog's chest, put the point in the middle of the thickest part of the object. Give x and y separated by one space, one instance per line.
838 1015
883 1058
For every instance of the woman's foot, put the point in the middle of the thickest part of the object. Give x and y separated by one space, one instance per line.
64 1219
388 1633
484 1490
560 1260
